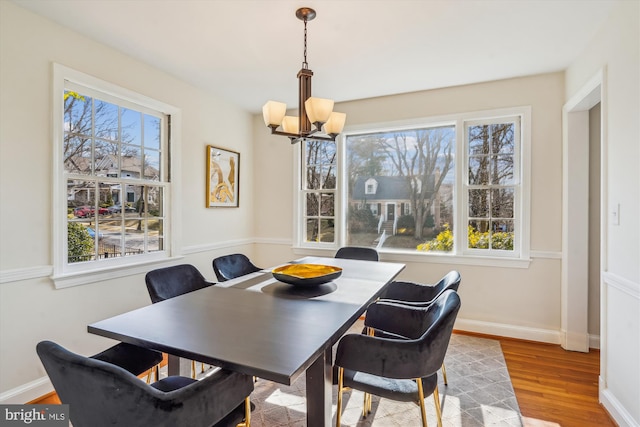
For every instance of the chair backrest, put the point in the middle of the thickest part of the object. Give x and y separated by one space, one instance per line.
439 321
229 267
98 393
422 293
401 357
357 252
451 280
169 282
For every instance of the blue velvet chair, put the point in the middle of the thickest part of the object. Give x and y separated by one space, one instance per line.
169 282
404 367
357 252
100 394
229 267
418 295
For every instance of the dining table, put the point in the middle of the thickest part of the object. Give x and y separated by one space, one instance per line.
260 326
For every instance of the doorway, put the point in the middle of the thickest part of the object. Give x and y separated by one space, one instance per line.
583 238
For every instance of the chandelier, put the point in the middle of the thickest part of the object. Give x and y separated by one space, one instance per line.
327 124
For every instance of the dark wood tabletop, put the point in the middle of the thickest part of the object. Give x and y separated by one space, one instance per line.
260 326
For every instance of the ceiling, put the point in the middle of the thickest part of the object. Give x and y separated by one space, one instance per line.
249 51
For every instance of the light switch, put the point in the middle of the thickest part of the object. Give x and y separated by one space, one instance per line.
615 214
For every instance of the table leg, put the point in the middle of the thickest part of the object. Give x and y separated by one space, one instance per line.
174 365
178 366
319 386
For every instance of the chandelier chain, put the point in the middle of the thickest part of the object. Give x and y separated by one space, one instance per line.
305 65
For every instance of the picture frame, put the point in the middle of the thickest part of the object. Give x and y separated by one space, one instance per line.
223 178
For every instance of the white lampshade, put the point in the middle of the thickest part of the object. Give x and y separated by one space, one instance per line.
335 123
318 109
273 112
290 124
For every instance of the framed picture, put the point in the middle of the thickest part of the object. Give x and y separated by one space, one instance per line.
223 173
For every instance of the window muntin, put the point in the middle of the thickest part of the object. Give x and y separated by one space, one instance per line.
113 157
319 190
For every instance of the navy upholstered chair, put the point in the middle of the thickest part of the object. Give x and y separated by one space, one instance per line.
169 282
229 267
133 358
403 368
102 394
419 295
357 252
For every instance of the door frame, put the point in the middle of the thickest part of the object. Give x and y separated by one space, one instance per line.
575 223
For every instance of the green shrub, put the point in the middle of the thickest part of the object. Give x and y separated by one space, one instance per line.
406 224
79 242
362 221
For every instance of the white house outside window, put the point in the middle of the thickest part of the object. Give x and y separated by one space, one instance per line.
455 186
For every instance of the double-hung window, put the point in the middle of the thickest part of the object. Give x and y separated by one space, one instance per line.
319 192
492 185
453 186
111 187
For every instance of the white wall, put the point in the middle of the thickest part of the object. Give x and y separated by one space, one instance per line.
616 48
519 302
30 309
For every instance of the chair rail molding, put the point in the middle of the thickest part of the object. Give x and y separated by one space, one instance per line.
27 273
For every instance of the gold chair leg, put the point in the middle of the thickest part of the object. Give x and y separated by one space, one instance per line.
423 411
247 414
149 376
444 374
193 369
339 405
202 368
436 398
365 405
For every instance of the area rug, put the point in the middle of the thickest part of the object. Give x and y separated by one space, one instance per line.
479 393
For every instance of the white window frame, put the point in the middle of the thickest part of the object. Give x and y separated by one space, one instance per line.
463 256
462 239
299 198
66 274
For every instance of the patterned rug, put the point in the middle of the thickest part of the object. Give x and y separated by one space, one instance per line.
479 394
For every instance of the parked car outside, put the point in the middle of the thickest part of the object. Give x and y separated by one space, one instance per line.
82 211
85 211
117 208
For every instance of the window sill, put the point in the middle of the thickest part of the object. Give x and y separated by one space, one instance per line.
67 280
422 257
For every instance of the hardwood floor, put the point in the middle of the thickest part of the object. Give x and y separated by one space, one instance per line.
554 387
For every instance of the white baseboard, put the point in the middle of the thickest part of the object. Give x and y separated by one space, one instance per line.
594 341
574 341
617 411
27 392
510 331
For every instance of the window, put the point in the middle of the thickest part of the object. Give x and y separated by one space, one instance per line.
112 187
491 185
319 188
455 186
